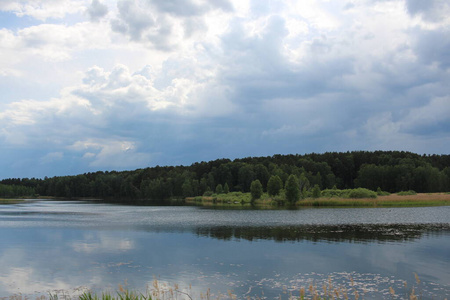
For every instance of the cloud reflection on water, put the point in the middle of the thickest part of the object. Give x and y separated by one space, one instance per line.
182 245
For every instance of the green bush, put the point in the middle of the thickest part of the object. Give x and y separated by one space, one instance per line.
349 193
361 193
382 193
407 193
330 193
208 193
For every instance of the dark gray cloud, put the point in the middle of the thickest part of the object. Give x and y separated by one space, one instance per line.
258 70
327 97
184 8
153 22
429 10
433 47
161 37
97 10
133 19
225 5
189 8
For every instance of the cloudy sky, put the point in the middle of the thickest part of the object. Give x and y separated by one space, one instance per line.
89 85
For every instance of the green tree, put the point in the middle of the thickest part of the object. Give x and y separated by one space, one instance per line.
274 185
246 176
210 181
219 189
262 174
187 188
304 182
226 189
256 189
195 187
292 189
203 186
316 191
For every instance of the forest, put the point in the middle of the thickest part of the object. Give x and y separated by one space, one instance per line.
391 171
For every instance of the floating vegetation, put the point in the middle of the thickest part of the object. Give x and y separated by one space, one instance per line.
314 286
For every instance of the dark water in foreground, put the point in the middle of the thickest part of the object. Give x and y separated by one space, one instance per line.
49 246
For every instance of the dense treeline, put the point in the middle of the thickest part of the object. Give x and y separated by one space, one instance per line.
391 171
13 191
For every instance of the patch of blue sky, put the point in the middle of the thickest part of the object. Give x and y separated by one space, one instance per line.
11 21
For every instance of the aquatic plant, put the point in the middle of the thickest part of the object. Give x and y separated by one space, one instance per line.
316 290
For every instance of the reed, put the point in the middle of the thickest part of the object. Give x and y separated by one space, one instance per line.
437 199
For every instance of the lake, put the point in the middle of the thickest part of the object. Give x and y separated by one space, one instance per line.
67 246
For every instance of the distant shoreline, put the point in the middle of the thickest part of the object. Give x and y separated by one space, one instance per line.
393 200
238 200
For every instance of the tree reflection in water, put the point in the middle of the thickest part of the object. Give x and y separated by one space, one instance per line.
356 233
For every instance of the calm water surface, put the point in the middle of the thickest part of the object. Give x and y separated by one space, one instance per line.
48 246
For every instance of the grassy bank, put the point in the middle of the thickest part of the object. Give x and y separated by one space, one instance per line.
238 199
10 201
394 200
234 199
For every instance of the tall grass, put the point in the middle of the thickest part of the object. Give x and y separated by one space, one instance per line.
229 198
330 198
407 193
349 193
381 201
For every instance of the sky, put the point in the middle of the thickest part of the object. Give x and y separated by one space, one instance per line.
89 85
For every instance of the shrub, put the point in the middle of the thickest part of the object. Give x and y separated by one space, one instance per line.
382 193
208 193
330 193
361 193
407 193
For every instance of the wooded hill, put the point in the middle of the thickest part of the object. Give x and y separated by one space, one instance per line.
392 171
